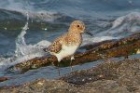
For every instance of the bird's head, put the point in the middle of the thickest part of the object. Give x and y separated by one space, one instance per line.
77 26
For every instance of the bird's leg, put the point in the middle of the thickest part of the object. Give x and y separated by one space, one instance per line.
58 65
72 58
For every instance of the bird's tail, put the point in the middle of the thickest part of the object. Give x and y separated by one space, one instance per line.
45 49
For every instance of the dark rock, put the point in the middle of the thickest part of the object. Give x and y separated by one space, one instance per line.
4 79
109 77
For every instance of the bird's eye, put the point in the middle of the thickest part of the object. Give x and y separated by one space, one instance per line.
78 25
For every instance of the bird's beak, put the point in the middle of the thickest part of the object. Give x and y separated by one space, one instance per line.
89 33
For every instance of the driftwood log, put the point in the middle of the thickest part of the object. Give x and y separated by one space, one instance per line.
102 50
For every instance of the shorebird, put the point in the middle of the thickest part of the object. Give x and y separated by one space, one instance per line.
67 44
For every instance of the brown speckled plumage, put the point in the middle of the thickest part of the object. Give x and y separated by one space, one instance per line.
72 38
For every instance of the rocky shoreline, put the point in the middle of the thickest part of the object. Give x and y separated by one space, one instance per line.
112 76
108 77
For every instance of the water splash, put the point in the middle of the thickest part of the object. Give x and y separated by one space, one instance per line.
23 51
28 51
126 25
20 41
129 19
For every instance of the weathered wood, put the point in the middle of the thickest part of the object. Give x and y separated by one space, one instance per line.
103 50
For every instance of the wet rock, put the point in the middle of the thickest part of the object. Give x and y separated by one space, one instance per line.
40 86
129 75
4 79
108 77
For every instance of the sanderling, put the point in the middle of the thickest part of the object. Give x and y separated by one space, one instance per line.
67 44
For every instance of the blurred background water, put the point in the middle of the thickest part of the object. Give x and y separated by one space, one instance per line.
27 26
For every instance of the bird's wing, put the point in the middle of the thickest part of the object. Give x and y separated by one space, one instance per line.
56 46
